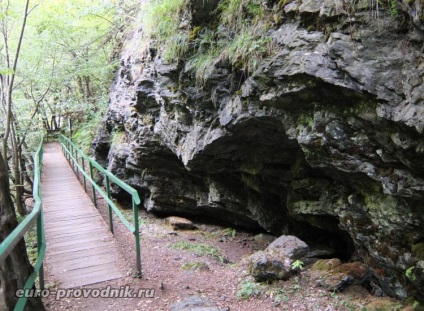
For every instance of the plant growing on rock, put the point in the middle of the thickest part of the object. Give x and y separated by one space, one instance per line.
161 22
409 273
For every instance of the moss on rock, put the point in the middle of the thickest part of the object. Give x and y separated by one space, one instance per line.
418 250
326 264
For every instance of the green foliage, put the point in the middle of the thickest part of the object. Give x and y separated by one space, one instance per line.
199 249
235 13
334 295
160 18
117 138
202 65
30 241
409 273
279 296
85 132
67 63
393 8
248 289
177 47
247 49
297 265
160 21
238 38
230 232
231 12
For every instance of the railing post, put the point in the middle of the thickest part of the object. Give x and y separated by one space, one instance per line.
109 207
77 169
71 157
40 242
137 239
75 161
94 188
83 168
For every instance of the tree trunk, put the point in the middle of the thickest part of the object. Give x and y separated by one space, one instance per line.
15 269
25 166
11 78
17 174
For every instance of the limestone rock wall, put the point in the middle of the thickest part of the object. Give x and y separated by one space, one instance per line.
324 140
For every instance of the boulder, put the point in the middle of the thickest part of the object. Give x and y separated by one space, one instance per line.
334 276
275 263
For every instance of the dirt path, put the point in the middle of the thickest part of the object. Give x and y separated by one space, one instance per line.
174 274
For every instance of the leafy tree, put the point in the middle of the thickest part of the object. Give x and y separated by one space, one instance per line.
7 80
67 52
57 60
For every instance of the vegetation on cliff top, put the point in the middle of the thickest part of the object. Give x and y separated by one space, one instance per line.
234 33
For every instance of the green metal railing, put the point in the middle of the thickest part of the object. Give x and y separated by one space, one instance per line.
36 216
78 161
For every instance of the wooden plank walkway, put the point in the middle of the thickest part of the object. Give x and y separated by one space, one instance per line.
80 248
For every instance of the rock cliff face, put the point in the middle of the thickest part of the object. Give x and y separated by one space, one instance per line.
324 140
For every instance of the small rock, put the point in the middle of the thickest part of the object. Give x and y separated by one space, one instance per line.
196 303
179 223
264 238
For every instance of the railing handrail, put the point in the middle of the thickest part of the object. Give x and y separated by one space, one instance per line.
71 151
15 236
101 169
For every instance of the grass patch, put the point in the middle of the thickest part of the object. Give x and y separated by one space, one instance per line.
160 22
194 266
230 232
201 66
235 35
198 249
239 39
246 51
129 216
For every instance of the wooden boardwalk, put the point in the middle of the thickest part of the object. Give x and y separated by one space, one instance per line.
80 249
